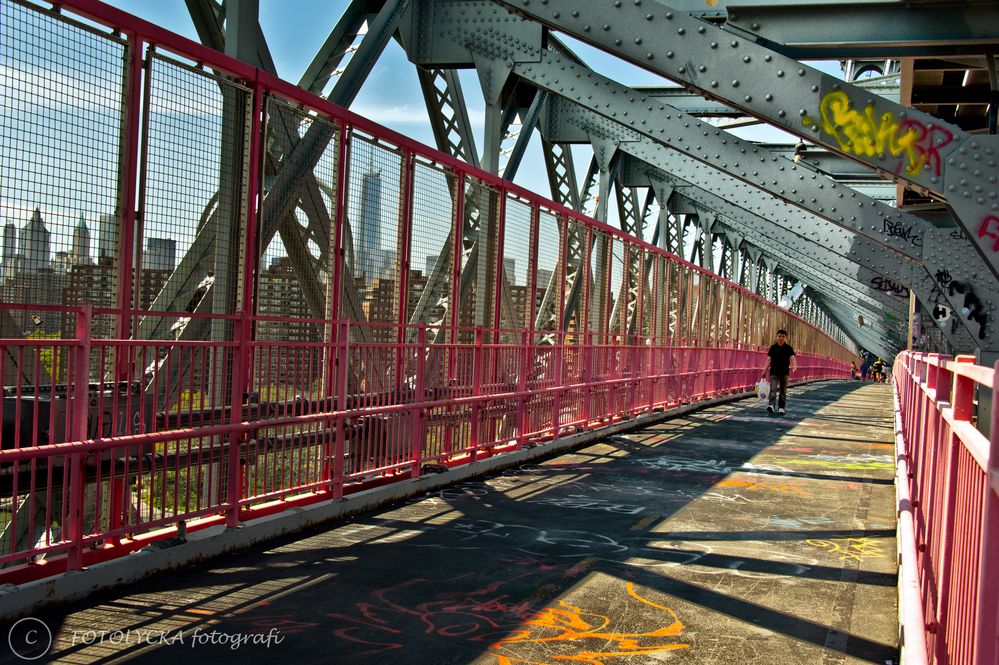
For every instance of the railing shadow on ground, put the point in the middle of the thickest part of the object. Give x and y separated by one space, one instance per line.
444 572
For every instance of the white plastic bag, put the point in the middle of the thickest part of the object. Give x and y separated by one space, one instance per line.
762 390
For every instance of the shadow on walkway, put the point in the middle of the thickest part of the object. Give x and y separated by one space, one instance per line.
725 536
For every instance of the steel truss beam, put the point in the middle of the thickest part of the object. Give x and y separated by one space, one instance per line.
914 239
911 145
570 123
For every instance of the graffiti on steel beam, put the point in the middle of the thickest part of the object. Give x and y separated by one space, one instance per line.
861 133
886 285
900 230
990 227
972 308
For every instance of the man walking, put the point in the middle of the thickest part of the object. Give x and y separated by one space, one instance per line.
781 361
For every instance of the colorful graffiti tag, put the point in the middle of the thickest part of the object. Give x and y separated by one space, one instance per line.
864 134
571 626
514 630
856 549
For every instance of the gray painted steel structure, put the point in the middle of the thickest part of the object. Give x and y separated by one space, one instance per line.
752 208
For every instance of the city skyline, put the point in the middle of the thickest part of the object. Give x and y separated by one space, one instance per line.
34 246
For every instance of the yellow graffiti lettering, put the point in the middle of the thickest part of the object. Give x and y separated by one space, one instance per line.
865 135
756 485
574 628
856 549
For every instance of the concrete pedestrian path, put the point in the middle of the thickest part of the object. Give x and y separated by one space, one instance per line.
724 536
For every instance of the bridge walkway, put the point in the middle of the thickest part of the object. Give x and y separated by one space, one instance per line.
724 536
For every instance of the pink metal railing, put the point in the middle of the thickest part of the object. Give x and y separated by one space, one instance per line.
948 509
118 477
139 434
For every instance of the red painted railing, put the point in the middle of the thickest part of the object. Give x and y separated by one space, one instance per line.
948 491
121 421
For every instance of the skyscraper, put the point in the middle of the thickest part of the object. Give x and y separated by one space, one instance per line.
161 254
9 266
368 236
80 256
107 240
33 244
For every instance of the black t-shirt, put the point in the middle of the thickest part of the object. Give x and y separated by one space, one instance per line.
780 359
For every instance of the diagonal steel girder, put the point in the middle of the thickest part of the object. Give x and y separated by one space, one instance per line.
910 145
881 343
824 269
867 336
812 272
653 154
813 262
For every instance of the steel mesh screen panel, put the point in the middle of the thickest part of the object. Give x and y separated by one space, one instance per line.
194 137
516 266
549 289
61 87
296 253
372 234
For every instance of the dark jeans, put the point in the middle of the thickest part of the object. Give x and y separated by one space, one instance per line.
778 382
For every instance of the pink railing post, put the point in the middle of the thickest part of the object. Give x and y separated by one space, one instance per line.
419 412
987 628
557 380
651 371
477 372
81 409
340 446
234 487
587 375
522 370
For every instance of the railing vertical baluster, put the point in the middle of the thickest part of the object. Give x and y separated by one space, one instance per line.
419 396
522 370
987 629
81 401
341 362
477 372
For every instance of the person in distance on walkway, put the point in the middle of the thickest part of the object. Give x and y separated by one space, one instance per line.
781 361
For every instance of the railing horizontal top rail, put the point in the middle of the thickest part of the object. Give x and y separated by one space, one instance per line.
983 376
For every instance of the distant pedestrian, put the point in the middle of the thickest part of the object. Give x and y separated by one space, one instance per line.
864 368
853 370
781 361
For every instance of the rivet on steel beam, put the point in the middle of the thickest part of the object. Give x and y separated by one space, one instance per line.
700 29
681 31
734 44
669 15
780 73
669 54
801 72
575 13
713 44
735 83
